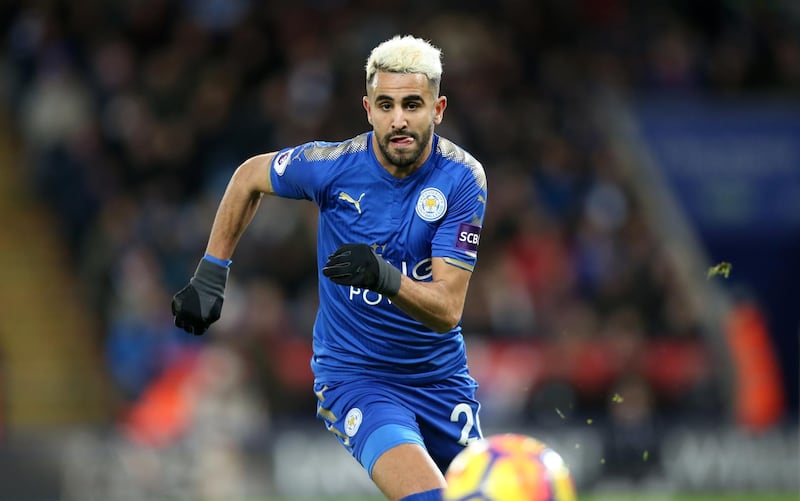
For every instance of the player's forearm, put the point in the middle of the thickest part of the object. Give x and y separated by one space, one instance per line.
237 208
430 303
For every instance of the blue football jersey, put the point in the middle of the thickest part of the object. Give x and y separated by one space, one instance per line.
437 211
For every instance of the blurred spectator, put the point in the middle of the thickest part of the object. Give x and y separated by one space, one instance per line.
632 450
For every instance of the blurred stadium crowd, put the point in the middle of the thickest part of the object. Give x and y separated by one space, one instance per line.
135 113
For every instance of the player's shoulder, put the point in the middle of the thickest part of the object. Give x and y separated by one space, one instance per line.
459 158
320 151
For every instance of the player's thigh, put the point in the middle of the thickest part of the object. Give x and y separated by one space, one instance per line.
406 469
368 418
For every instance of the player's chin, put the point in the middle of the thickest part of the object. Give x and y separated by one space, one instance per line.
408 152
403 161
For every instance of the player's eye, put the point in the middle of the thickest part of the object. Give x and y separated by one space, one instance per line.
412 106
385 106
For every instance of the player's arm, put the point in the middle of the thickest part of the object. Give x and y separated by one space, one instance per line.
239 204
199 304
438 304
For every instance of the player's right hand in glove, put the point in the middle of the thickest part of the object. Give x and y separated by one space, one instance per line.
199 304
357 264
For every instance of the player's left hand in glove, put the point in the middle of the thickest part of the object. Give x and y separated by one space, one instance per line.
358 265
199 304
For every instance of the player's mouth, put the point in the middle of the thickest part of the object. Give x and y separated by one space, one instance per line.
401 141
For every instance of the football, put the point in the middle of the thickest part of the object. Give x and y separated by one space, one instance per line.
509 467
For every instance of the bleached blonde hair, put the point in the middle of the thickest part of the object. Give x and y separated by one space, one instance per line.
406 54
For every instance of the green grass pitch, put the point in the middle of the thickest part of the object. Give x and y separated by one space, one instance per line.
627 497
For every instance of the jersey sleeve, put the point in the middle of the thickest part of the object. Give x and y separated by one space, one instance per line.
458 236
293 176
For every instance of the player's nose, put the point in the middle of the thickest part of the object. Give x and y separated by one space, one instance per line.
399 119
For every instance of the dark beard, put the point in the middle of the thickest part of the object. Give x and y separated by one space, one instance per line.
405 160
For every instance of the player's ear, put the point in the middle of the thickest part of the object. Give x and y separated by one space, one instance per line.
367 108
438 109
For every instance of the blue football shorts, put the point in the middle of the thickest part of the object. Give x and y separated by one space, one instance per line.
370 416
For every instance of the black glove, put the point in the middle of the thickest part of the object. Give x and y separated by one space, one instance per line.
357 264
199 304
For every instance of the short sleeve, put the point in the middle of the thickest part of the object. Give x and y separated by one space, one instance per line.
458 236
293 175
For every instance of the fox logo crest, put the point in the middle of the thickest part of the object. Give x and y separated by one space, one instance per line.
347 198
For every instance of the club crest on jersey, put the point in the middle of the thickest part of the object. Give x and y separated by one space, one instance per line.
352 421
282 161
431 204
